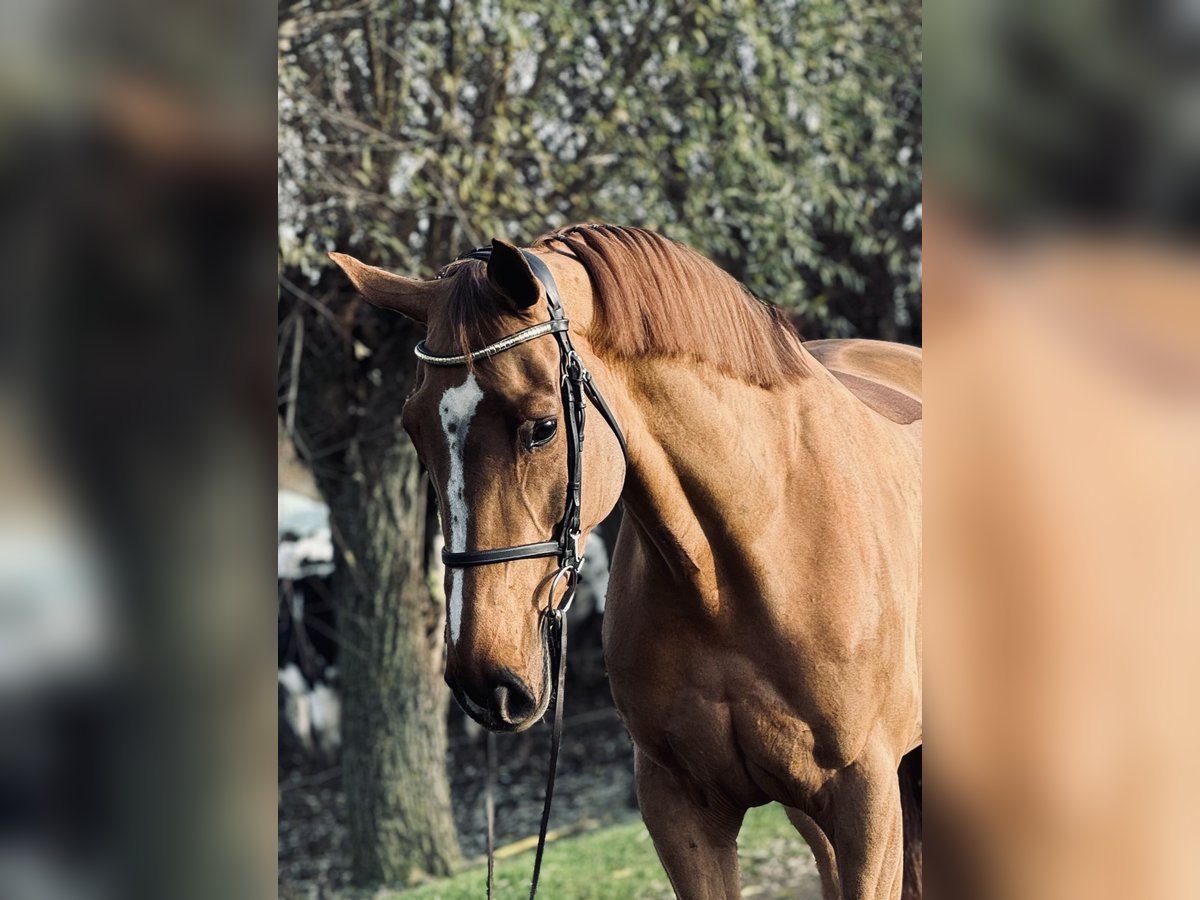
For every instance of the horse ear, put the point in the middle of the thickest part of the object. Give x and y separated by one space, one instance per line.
408 296
509 273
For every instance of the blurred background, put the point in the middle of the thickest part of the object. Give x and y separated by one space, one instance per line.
137 449
782 139
1062 383
1062 389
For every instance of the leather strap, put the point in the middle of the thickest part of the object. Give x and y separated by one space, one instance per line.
489 804
466 558
598 399
557 637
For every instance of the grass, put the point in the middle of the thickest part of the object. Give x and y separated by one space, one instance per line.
619 863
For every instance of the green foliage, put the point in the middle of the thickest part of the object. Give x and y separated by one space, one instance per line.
780 138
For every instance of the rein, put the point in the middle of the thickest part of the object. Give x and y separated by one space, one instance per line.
576 386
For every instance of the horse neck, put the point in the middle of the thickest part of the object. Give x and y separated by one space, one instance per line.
713 459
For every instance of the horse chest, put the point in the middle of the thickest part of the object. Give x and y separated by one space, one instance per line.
763 700
712 717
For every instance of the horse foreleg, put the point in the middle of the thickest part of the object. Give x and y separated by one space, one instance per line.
822 851
869 831
696 844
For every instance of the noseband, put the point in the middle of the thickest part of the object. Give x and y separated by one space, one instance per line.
575 385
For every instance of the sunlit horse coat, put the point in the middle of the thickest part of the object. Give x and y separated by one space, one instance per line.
762 632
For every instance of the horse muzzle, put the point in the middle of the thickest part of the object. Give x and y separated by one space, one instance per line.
501 701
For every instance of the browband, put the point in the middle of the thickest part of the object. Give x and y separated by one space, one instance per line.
506 343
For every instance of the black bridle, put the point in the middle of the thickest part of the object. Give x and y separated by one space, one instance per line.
575 386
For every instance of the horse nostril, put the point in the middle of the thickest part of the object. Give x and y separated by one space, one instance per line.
512 701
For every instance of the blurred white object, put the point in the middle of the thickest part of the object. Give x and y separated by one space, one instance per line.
314 715
297 707
326 710
55 621
305 539
301 516
312 555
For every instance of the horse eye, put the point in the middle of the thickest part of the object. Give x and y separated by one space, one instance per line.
542 432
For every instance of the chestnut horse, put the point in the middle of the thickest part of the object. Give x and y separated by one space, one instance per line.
762 632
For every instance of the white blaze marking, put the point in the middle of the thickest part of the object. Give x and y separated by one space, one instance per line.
456 409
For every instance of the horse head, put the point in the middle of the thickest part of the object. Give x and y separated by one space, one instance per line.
491 433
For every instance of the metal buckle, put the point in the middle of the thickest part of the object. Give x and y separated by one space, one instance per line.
571 570
574 368
569 595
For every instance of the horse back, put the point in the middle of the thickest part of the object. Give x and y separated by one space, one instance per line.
883 375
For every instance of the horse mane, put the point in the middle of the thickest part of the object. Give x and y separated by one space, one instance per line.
657 298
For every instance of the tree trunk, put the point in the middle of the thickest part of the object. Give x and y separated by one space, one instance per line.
390 628
393 696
